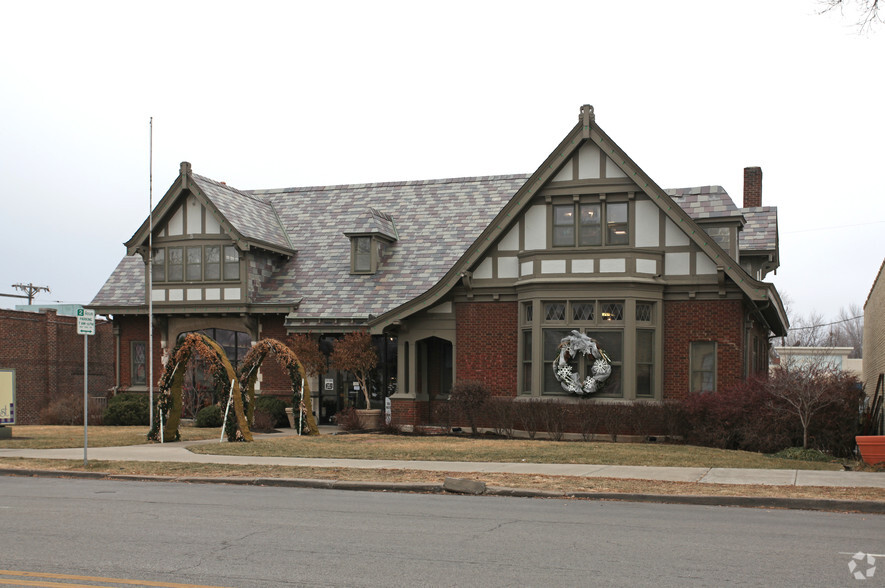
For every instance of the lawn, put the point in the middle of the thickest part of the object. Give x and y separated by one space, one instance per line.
447 448
373 446
423 448
55 437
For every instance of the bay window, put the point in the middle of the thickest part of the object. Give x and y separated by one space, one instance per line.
625 329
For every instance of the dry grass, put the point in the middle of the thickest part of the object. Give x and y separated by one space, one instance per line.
56 436
444 448
555 483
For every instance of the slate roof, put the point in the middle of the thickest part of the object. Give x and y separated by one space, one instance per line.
760 232
254 217
375 222
704 201
430 224
436 221
125 287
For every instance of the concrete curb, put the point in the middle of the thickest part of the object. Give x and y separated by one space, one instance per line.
819 504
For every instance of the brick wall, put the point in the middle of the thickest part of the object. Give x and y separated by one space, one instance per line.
487 342
702 320
135 328
47 355
274 379
752 187
874 333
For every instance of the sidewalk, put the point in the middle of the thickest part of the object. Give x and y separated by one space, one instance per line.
177 452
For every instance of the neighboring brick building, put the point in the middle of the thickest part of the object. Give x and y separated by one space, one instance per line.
467 278
874 333
46 353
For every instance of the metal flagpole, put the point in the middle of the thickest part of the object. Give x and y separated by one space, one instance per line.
150 276
301 408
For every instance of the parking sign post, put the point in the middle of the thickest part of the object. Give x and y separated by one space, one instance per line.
85 327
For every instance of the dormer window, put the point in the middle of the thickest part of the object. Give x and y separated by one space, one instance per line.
371 232
591 224
361 255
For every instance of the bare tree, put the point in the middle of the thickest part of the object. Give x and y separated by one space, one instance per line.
804 387
867 11
356 354
807 331
813 330
848 330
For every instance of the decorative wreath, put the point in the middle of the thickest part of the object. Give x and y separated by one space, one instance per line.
570 347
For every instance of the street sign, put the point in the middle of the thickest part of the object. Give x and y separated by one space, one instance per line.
85 321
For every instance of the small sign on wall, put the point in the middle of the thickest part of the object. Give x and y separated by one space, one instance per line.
7 397
329 384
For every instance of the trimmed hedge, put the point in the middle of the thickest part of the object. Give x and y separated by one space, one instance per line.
209 417
127 409
275 407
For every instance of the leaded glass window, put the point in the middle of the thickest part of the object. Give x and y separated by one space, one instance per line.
582 311
612 311
643 312
554 311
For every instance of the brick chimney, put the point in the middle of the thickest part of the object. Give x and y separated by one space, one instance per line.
752 187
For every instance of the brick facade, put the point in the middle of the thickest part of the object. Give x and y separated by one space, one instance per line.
273 377
702 320
46 353
487 343
752 187
874 333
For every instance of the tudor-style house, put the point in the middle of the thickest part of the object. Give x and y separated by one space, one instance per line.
465 279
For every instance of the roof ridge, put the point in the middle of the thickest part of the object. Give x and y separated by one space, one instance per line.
225 186
395 184
690 190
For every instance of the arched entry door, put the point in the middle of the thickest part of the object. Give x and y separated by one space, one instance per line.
434 368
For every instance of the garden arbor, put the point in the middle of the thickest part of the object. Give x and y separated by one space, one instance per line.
287 358
223 375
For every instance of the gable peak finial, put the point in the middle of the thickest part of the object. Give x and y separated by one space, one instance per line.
185 169
587 111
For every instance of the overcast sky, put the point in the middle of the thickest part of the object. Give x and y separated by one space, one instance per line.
278 94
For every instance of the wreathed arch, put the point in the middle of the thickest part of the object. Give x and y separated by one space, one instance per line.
223 374
287 358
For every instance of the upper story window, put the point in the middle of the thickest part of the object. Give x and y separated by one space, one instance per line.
581 224
722 236
702 358
362 255
196 263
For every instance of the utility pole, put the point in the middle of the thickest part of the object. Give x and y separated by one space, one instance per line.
30 290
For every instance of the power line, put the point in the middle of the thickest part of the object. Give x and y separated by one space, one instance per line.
826 324
833 227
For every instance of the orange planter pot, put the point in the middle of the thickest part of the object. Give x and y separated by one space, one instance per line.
872 448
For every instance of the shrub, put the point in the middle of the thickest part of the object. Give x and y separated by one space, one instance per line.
647 418
553 415
588 417
468 398
803 454
748 417
613 417
209 417
63 409
440 412
348 419
502 414
528 416
263 420
275 407
128 409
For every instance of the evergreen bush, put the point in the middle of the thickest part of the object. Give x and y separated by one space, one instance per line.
126 410
209 417
275 407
